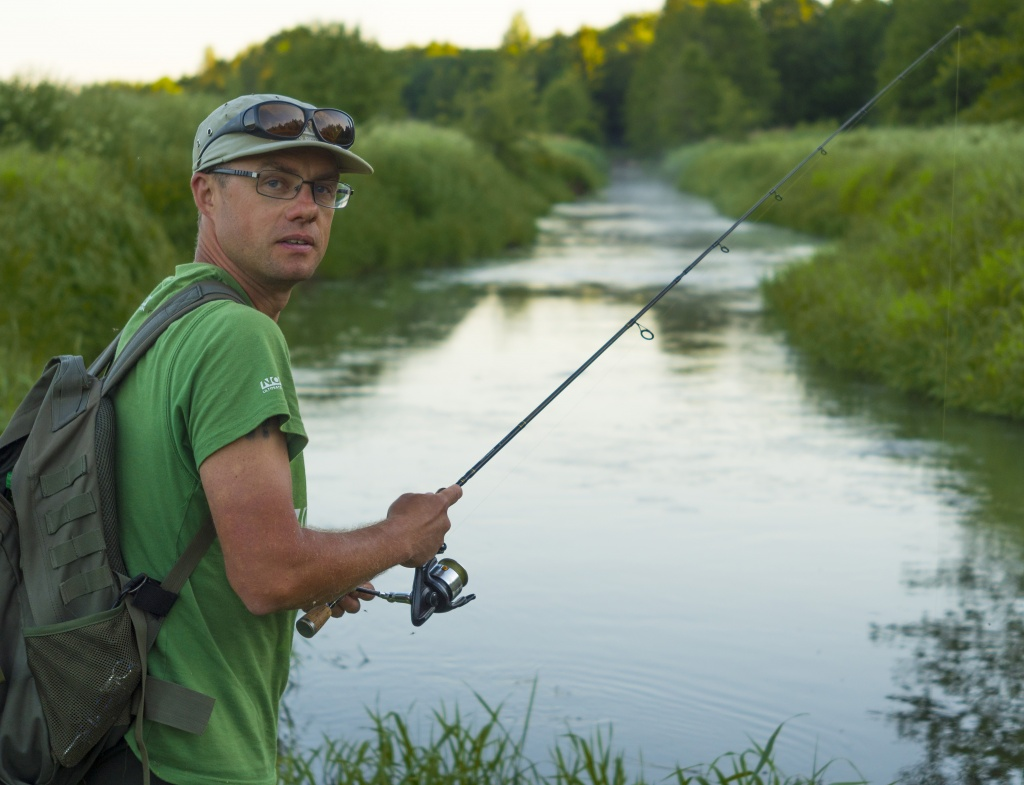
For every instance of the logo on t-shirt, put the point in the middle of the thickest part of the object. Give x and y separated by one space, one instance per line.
270 383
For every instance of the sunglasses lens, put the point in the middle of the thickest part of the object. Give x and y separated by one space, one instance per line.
281 119
335 126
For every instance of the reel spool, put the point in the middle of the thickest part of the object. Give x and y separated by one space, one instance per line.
435 589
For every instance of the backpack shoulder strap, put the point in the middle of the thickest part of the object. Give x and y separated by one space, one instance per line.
177 306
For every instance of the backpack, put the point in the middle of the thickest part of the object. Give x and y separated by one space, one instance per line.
75 629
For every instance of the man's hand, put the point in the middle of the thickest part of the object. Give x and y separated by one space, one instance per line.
350 603
421 520
274 564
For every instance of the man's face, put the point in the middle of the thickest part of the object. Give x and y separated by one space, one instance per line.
274 243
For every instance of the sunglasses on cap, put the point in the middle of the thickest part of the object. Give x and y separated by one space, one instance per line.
285 120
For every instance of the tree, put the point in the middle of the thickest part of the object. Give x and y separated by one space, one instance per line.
707 72
568 109
799 55
502 113
518 40
992 61
324 65
916 25
624 44
853 31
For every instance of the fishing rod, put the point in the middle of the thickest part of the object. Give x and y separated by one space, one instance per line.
647 334
431 591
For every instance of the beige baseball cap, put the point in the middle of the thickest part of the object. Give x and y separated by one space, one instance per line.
229 146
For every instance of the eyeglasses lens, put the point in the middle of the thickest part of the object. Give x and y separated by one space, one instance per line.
285 185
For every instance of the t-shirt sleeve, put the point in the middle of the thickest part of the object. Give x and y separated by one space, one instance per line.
234 372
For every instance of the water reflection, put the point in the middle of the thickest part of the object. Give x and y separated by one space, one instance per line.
343 335
960 673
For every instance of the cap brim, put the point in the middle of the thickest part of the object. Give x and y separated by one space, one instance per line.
232 146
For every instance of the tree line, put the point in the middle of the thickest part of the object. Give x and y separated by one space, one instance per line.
439 120
696 69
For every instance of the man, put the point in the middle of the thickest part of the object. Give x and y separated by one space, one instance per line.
209 426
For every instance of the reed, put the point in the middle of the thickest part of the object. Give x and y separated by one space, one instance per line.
458 751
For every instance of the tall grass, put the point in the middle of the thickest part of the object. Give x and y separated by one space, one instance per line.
924 287
76 249
438 198
456 752
95 209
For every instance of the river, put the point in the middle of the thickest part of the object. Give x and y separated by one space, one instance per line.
706 536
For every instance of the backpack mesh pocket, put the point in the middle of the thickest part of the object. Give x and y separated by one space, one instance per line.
85 673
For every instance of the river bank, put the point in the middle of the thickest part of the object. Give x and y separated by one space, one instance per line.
923 286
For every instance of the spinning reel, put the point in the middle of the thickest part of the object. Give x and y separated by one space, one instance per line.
436 587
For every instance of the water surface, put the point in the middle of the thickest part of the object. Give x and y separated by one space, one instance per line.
702 538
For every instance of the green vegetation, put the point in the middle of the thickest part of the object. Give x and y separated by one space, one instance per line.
95 208
457 752
453 200
925 286
78 248
472 145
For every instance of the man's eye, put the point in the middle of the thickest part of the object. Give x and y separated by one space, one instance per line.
327 189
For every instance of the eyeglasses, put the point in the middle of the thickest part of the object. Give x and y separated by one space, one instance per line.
286 185
285 120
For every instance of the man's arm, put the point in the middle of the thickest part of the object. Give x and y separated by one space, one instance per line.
273 563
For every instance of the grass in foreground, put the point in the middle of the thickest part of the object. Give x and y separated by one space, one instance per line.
457 753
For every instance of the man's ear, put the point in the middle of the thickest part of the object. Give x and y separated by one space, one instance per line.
202 191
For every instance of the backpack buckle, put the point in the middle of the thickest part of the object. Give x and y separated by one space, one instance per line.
148 595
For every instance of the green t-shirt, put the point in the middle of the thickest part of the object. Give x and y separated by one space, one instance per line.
214 376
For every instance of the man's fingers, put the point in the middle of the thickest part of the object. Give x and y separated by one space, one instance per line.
363 596
451 494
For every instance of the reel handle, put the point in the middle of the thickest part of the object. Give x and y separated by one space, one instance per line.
310 624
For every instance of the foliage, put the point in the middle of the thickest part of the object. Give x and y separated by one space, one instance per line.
87 235
326 65
926 287
436 78
79 253
458 752
500 112
699 69
453 200
568 109
993 56
826 55
707 73
143 137
915 26
623 45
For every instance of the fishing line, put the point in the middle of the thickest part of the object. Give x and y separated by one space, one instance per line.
936 598
952 224
772 193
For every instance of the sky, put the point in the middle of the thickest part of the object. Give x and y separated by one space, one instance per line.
76 42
